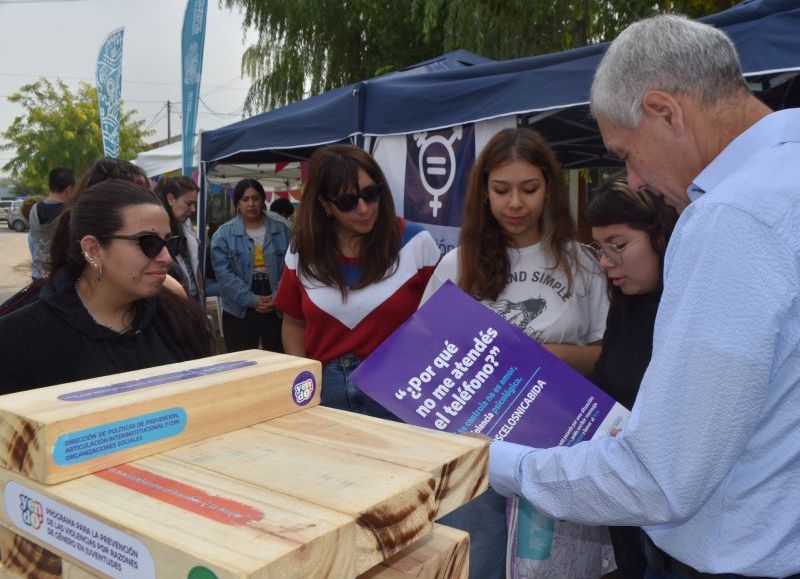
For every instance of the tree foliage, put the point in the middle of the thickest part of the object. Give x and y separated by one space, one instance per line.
310 46
61 129
502 29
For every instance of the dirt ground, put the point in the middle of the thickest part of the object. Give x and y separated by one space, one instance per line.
15 261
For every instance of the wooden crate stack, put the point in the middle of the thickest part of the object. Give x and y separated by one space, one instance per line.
222 468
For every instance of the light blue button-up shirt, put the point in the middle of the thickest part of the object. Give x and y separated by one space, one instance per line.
709 462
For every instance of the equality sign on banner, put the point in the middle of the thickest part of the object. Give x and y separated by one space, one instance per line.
457 366
437 171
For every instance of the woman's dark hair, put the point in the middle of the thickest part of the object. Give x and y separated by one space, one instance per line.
244 185
104 169
333 171
177 187
614 203
99 212
483 259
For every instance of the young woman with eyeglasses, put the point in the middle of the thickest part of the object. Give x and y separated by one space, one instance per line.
354 272
247 255
104 309
631 231
518 255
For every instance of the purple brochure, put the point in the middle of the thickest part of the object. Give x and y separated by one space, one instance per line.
457 366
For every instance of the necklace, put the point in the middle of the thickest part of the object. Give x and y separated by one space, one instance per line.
117 329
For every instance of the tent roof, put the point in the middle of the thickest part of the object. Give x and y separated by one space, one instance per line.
169 158
301 127
552 89
164 159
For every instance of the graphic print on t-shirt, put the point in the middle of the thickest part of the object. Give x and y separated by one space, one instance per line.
258 259
522 313
538 297
257 237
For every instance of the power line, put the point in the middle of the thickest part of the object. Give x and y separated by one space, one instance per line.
124 81
156 117
218 114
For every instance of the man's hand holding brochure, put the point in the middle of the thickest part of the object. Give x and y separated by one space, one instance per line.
456 366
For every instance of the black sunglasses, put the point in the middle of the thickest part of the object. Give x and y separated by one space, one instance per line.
349 201
151 244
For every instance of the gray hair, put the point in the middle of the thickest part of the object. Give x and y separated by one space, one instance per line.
669 53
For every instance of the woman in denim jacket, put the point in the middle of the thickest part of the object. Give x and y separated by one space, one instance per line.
247 255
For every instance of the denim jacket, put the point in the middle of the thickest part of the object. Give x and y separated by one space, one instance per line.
232 260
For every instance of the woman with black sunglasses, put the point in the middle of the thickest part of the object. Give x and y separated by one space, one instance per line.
104 309
247 255
354 271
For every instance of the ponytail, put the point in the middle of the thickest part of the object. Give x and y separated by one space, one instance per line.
60 243
187 324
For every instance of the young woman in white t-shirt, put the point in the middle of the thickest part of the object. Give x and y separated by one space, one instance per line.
518 255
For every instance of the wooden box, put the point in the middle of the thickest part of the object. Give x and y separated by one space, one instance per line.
61 432
317 493
441 554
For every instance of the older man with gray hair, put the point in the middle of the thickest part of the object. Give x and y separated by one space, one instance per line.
709 462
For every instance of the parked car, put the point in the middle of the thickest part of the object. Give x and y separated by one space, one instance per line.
5 207
16 220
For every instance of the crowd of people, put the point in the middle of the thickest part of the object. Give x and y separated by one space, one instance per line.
685 307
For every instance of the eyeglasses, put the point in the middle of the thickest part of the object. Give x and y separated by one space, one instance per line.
612 251
349 201
151 244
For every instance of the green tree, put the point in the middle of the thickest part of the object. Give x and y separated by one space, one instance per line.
61 129
502 29
310 46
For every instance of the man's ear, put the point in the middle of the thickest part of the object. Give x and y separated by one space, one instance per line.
665 107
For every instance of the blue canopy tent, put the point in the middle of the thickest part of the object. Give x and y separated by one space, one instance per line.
294 131
549 91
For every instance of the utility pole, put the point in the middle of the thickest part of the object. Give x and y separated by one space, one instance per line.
169 119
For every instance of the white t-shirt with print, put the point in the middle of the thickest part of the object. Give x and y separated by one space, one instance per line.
536 298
